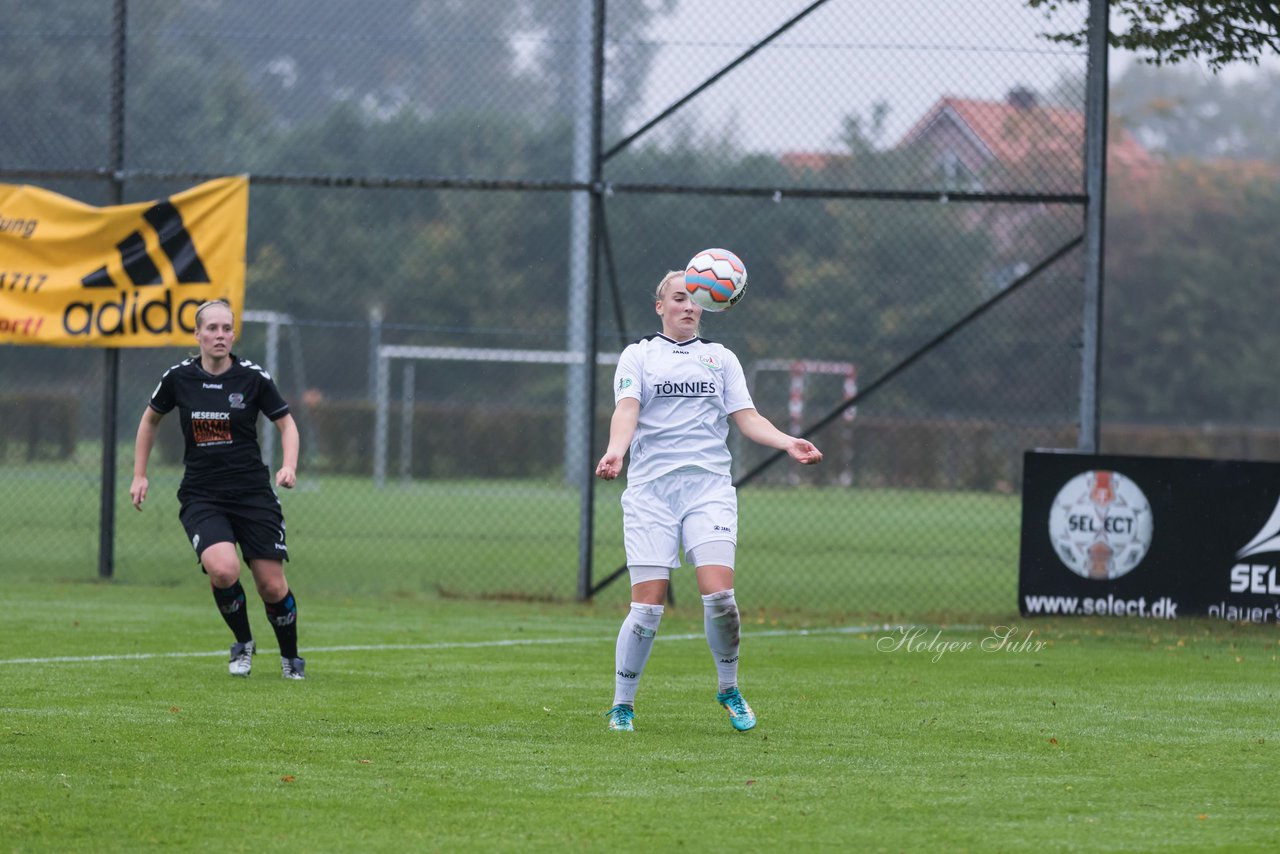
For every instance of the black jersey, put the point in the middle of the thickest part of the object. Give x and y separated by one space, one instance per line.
219 419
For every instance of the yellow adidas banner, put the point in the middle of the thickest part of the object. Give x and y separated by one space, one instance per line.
74 275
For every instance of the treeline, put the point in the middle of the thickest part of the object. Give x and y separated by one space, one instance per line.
1191 252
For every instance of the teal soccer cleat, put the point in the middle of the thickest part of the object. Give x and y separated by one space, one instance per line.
740 714
622 718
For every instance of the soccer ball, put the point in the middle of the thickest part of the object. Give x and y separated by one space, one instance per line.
715 279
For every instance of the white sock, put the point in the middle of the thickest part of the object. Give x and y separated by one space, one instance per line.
635 640
720 617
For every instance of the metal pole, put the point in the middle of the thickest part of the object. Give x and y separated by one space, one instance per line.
590 32
375 341
406 424
111 355
381 423
575 447
1095 181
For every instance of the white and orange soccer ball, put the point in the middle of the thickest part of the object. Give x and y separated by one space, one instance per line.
715 279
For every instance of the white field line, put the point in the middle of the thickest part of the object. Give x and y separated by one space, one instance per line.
146 656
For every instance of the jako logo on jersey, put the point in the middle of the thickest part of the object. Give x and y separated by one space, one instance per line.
235 399
132 312
692 388
710 361
680 352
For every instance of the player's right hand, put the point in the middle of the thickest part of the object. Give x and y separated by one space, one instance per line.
609 467
138 491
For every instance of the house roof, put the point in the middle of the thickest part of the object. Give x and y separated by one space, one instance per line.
1018 131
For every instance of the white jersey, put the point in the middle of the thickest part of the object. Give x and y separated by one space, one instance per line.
687 391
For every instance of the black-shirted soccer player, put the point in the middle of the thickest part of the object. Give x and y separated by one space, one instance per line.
226 494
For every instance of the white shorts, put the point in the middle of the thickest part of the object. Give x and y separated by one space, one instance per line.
681 507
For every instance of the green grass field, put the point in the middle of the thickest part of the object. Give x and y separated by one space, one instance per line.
436 725
895 553
456 689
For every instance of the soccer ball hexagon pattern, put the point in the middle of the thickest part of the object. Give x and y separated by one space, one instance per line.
715 279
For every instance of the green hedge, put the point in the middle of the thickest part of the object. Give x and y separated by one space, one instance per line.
449 440
477 440
38 426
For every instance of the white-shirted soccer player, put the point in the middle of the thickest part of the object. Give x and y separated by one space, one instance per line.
675 393
226 496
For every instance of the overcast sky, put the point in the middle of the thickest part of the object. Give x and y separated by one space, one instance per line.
846 56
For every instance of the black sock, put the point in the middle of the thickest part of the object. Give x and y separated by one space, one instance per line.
231 605
284 619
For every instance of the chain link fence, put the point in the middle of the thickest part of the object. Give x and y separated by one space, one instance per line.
903 182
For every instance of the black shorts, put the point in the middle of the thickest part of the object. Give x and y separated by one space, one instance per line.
254 521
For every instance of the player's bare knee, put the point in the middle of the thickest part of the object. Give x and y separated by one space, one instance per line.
272 590
222 573
268 577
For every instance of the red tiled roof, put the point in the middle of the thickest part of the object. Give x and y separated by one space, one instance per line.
797 162
1012 134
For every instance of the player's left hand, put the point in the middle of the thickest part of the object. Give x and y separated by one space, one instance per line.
804 452
138 491
286 477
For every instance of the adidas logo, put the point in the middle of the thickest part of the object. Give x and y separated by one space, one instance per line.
132 313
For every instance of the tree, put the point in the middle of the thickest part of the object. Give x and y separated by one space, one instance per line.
1189 281
1175 30
1181 112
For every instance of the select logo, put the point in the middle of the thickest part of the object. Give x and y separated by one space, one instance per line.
1101 525
1259 577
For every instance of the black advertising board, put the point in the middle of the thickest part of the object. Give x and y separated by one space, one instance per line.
1152 537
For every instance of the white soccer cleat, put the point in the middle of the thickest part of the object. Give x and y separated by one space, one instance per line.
292 668
242 658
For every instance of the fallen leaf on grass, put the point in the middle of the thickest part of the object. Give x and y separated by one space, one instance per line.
288 778
365 761
751 782
1053 741
174 709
